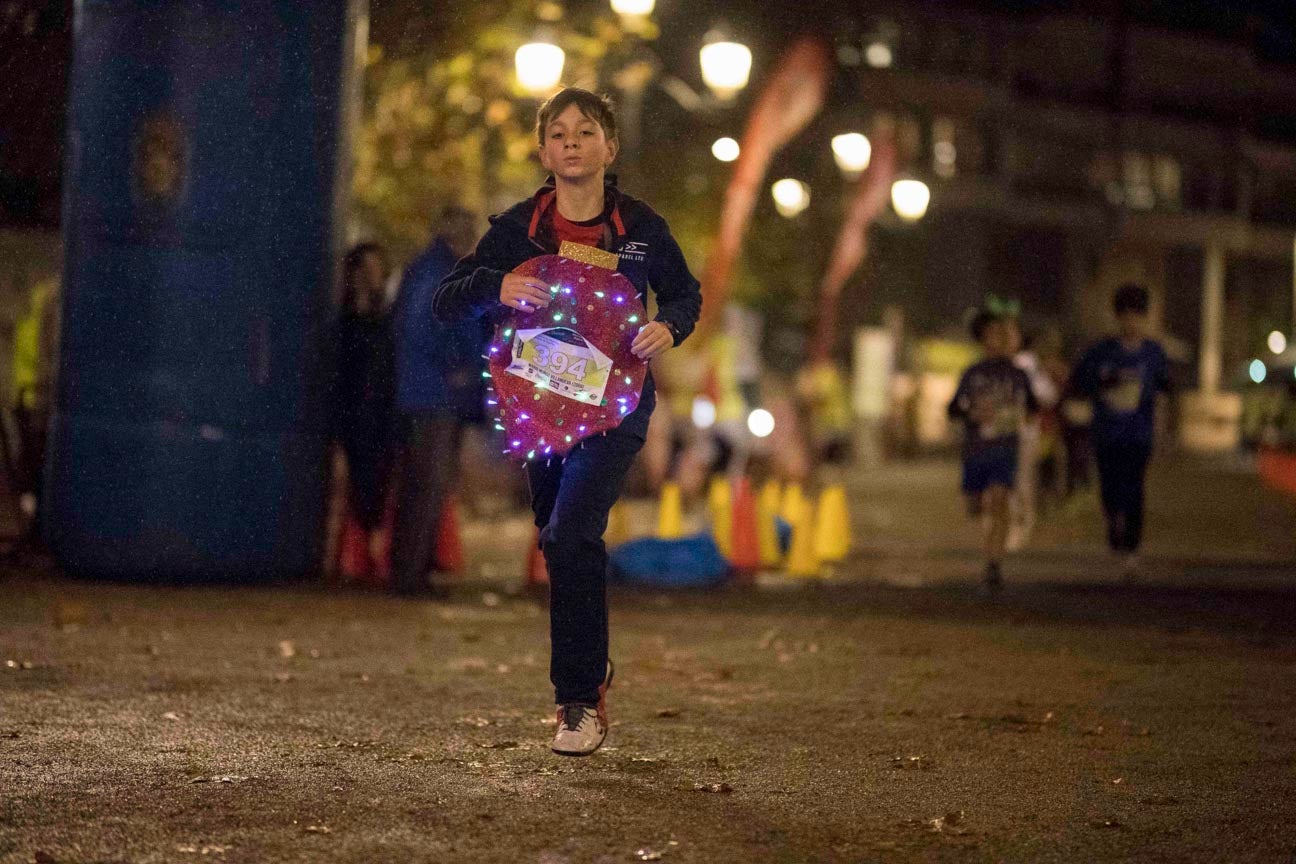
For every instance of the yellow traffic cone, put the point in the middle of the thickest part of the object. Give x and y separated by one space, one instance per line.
767 508
832 525
802 558
720 512
618 529
670 519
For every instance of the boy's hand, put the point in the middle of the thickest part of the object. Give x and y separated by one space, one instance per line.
524 292
654 338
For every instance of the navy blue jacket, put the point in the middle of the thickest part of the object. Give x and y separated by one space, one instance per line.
438 366
649 258
1123 385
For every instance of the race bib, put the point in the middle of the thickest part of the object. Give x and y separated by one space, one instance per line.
562 361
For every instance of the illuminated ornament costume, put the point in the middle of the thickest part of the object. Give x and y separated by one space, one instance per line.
564 373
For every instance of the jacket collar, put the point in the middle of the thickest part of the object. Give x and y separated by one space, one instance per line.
540 231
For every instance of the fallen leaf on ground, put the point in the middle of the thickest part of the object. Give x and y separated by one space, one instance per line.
714 788
950 823
912 763
170 715
318 829
668 712
287 650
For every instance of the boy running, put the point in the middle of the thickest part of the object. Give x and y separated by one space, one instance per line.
1122 376
571 497
993 400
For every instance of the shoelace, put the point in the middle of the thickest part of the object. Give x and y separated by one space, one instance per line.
573 714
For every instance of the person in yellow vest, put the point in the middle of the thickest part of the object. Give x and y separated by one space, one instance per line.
34 354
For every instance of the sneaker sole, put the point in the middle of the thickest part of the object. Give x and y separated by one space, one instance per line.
576 754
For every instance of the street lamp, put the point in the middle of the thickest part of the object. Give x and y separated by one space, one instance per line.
725 149
760 423
539 66
636 8
852 152
910 199
725 66
791 197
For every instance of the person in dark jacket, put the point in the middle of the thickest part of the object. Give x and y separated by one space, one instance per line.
439 391
1122 375
571 497
363 356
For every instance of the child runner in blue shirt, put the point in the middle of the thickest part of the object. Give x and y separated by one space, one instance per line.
571 497
993 400
1122 376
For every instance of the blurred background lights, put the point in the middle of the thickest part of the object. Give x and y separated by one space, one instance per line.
1277 342
852 152
633 7
910 199
725 67
704 413
1258 371
791 197
878 55
725 149
539 66
761 423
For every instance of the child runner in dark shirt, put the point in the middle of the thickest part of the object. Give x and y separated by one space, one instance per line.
1122 375
571 497
993 400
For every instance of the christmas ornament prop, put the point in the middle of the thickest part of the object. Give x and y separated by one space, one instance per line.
564 373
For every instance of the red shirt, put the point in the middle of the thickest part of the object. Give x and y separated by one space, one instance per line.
587 233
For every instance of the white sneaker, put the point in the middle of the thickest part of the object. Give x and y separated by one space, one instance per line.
582 729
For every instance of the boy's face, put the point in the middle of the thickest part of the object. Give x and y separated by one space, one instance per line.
1132 324
999 338
576 147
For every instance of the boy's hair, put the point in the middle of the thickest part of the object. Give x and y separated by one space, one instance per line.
592 105
981 322
996 309
1130 297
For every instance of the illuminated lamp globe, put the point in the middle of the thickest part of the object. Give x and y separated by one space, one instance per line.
725 149
1258 371
760 423
910 199
539 66
791 197
704 413
852 152
633 7
726 67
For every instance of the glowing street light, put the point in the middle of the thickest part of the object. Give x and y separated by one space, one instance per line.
539 66
760 423
910 199
725 66
725 149
1277 342
791 197
852 152
1258 371
879 55
633 7
704 413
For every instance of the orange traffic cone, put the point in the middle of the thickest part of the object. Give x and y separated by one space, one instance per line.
449 548
745 554
537 572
